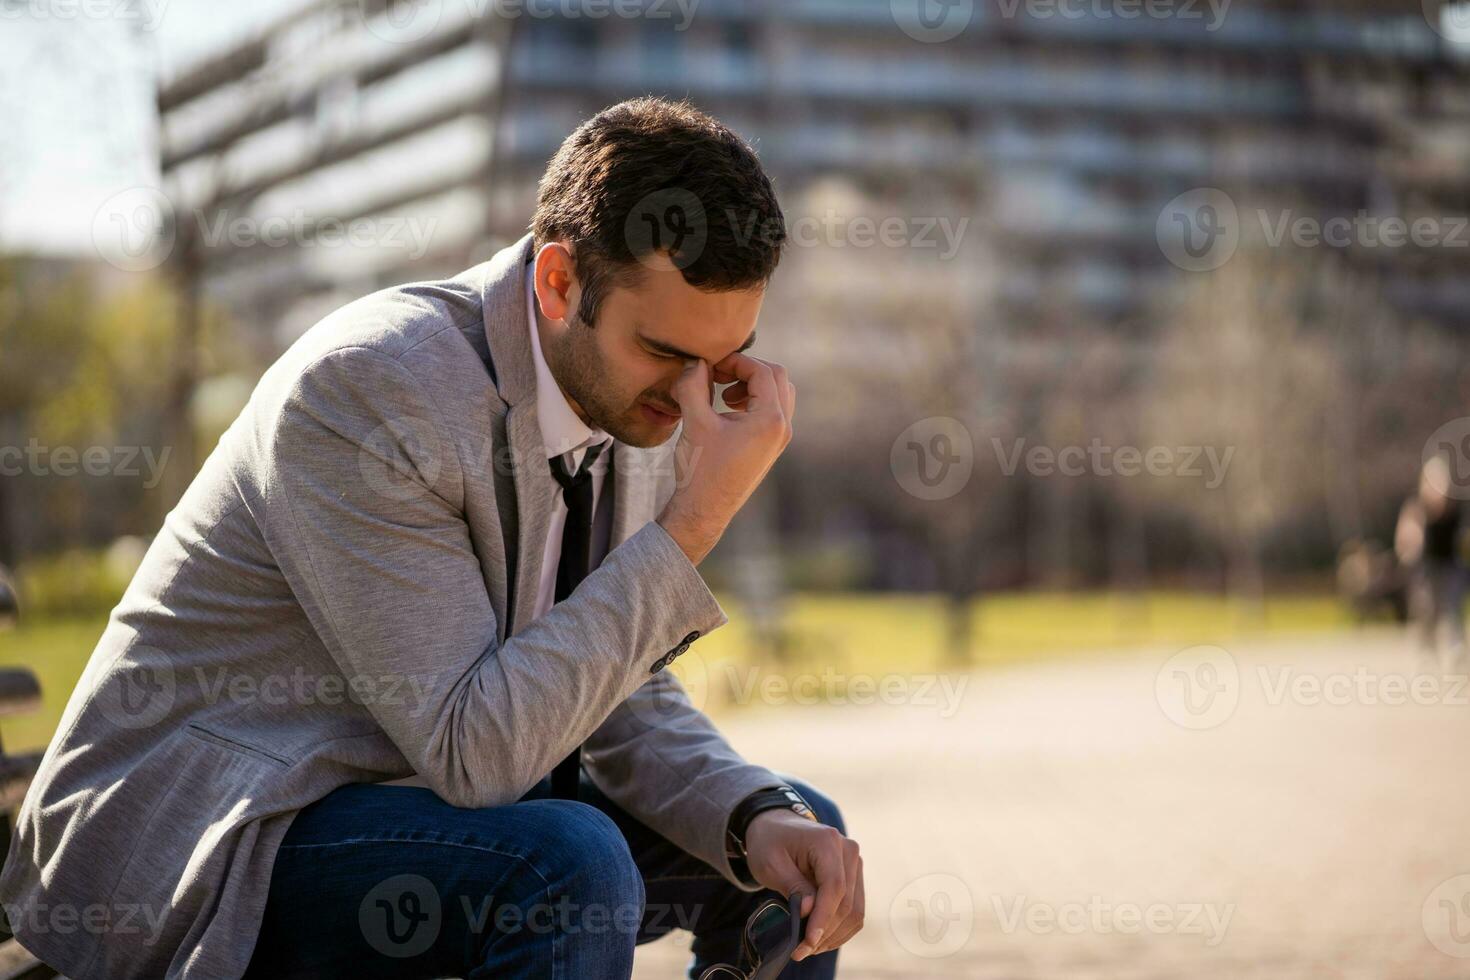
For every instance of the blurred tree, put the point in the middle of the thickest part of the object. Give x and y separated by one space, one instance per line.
879 337
1245 367
41 329
1399 381
79 367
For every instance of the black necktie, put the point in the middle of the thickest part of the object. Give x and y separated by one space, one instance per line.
571 568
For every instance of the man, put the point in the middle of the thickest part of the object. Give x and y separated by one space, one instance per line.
332 729
1427 542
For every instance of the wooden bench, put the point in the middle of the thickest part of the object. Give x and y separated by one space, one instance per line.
19 692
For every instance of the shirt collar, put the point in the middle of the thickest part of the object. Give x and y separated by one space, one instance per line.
561 430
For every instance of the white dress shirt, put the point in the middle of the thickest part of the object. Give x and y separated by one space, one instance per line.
563 433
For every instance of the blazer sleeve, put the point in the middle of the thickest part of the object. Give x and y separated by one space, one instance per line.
659 758
364 513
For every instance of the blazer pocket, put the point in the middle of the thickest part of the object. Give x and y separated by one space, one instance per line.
235 745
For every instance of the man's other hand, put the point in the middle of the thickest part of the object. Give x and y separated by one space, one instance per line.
788 853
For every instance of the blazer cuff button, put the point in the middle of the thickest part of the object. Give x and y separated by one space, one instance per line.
668 658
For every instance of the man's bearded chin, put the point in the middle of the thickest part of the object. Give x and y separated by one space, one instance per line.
583 378
603 414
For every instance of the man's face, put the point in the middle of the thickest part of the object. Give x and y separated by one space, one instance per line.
619 374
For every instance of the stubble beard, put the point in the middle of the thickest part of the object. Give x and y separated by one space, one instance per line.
578 367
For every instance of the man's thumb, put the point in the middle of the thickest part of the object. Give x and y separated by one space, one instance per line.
785 877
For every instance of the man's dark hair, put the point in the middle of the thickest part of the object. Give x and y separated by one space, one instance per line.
650 175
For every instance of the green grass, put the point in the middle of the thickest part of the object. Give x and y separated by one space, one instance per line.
56 650
851 633
909 632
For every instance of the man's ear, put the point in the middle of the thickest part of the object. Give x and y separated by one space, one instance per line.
556 281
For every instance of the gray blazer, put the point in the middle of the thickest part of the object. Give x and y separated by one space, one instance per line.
344 595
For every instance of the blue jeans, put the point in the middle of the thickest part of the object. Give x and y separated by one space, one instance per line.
390 881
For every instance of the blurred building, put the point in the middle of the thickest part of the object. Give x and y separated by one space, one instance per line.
353 145
1061 129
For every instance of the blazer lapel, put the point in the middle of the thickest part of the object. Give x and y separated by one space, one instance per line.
536 491
507 331
506 328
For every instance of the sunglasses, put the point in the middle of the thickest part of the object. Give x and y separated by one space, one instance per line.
772 934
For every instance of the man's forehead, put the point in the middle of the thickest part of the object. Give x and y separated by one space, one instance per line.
673 317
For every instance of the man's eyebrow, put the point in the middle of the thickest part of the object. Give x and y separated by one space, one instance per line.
672 351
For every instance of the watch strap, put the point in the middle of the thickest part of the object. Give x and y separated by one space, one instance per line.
774 798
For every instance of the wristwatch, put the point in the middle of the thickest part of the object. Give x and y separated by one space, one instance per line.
775 798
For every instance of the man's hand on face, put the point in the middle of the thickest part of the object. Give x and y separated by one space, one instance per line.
787 852
722 458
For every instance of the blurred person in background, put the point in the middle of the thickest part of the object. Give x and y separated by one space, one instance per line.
1428 542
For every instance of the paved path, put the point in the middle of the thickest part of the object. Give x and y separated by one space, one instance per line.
1064 822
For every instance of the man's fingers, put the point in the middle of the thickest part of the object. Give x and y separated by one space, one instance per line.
785 390
759 378
850 861
785 877
692 390
744 371
830 871
736 396
720 375
788 400
853 911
